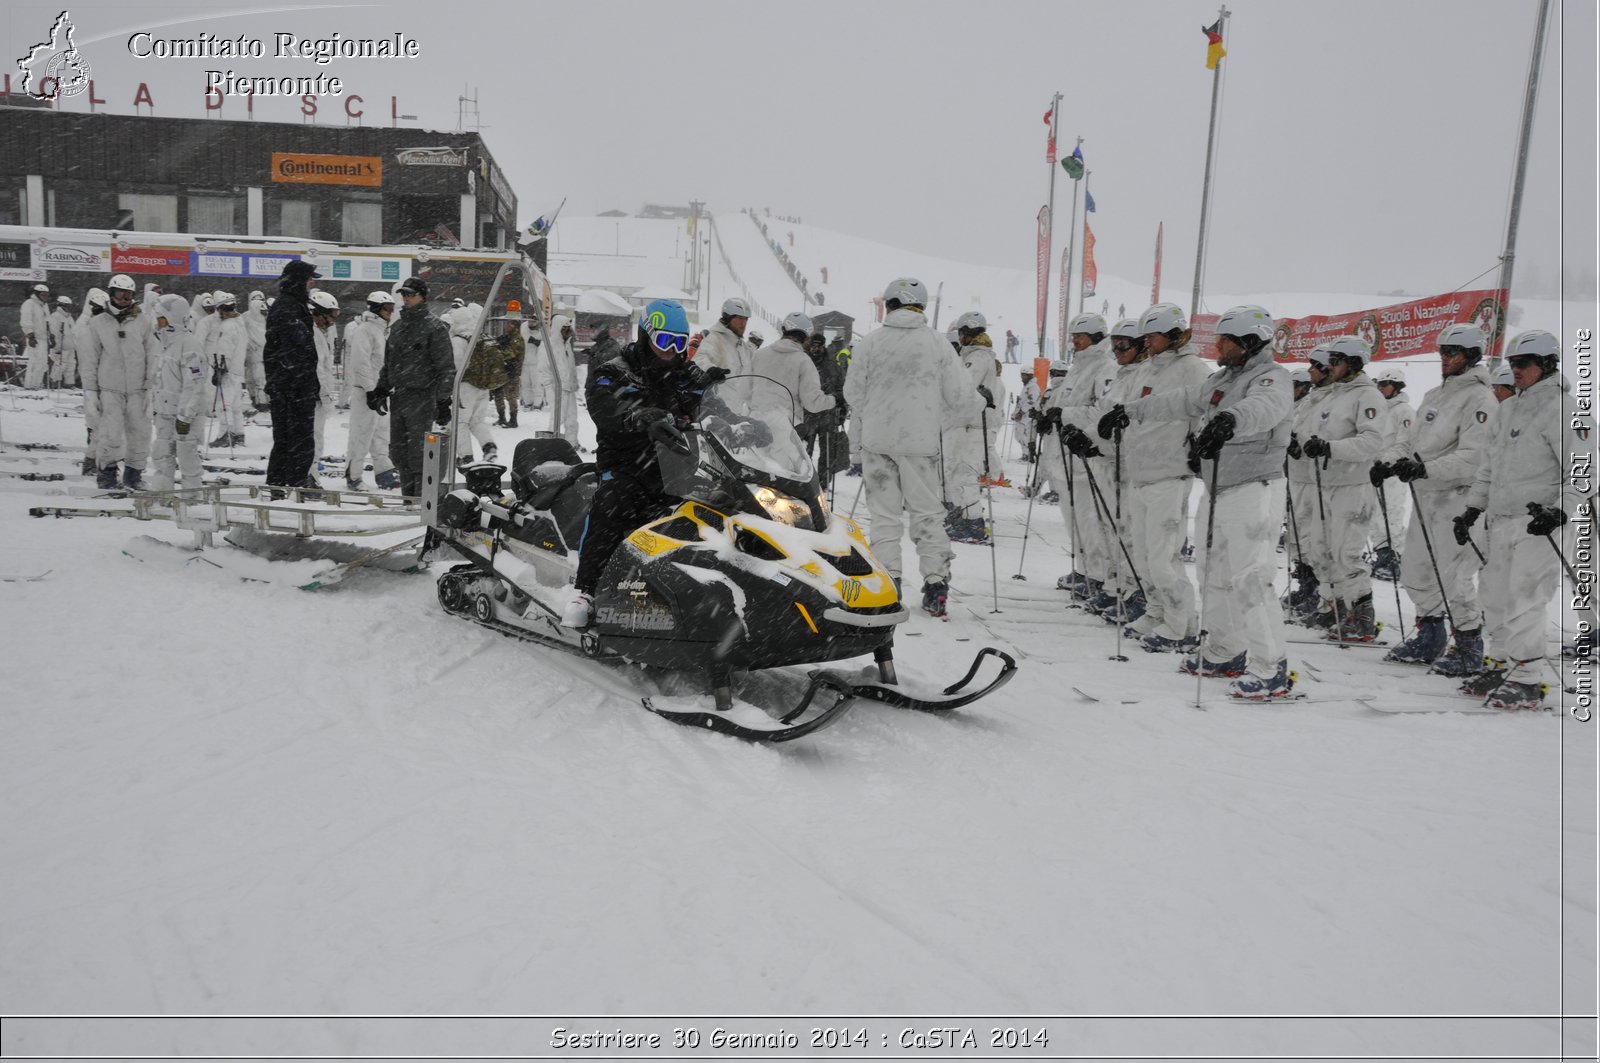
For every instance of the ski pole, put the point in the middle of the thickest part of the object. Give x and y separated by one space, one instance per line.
1104 512
988 494
1205 579
1327 541
857 502
1294 525
1383 507
1072 501
1027 521
1571 575
1427 540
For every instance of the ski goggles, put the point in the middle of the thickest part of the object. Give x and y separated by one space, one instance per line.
1125 345
1523 361
670 342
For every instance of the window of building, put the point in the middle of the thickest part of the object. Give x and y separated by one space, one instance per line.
362 222
292 217
153 214
214 214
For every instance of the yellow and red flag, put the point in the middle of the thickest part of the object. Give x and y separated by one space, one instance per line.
1214 49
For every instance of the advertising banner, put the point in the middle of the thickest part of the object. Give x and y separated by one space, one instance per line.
373 268
1043 266
1090 274
295 169
240 263
163 260
1395 331
75 256
1066 305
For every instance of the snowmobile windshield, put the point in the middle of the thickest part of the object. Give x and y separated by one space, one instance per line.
757 438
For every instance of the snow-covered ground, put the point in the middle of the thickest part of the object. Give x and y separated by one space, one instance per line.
231 797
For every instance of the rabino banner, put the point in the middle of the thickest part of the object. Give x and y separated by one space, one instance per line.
1388 332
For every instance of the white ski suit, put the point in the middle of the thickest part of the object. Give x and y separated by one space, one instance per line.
1155 468
461 320
1351 421
724 347
1124 389
119 368
794 388
1451 434
364 340
80 343
1398 418
1304 521
36 340
1241 605
183 380
1530 460
1077 395
965 442
904 382
63 348
566 377
327 382
227 342
255 333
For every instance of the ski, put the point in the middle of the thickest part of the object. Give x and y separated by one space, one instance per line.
329 577
751 724
147 548
40 477
951 697
26 579
1085 695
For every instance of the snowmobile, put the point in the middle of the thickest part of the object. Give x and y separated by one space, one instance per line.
750 571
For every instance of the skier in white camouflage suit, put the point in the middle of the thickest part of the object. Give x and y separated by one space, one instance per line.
904 383
1246 407
94 304
1346 438
964 441
63 344
1392 494
1073 399
119 367
1302 486
36 335
364 341
325 334
183 384
222 335
1127 347
1157 469
1527 493
1447 443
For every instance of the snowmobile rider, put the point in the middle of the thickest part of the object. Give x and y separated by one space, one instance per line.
639 397
290 357
419 372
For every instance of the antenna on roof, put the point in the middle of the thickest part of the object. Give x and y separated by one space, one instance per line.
467 112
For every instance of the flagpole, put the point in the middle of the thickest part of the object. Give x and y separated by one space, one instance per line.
1083 252
1072 243
1530 95
1205 188
1050 234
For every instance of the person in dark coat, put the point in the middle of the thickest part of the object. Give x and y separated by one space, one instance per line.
289 358
643 394
419 374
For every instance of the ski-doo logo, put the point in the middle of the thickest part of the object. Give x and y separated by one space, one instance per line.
643 620
634 586
850 591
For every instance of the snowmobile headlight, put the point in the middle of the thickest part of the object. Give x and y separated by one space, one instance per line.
783 509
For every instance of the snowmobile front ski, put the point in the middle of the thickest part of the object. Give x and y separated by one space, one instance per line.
752 724
951 697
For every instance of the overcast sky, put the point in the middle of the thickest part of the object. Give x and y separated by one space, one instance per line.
1364 144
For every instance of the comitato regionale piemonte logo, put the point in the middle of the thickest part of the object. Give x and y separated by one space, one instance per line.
54 67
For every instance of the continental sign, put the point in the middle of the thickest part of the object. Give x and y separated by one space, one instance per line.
288 168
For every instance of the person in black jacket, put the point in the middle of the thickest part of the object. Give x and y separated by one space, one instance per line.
419 372
642 395
290 360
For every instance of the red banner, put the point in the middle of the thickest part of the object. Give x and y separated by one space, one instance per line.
166 260
1043 266
1090 274
1395 331
1155 286
1066 304
1050 146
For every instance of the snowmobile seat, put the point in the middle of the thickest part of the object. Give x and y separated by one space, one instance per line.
542 471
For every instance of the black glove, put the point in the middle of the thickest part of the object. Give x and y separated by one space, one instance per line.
1051 421
1079 442
988 396
842 408
1468 518
1294 446
660 426
441 412
1113 422
1218 430
1546 519
715 375
378 401
751 434
1316 447
1408 469
1380 471
1035 416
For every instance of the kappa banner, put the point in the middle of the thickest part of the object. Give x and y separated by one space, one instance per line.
1043 267
1387 332
171 261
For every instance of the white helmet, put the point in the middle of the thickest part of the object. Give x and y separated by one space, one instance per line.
1088 324
1536 344
1502 377
380 298
1350 347
96 297
1463 335
45 288
223 300
1246 321
322 300
908 291
257 295
735 307
1163 318
797 322
207 300
63 300
1300 375
120 283
1390 374
1126 329
559 322
971 321
173 307
457 301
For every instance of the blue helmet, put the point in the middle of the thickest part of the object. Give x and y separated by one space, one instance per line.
665 315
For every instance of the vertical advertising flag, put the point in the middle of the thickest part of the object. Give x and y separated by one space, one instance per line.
1043 266
1066 303
1050 144
1090 274
1155 285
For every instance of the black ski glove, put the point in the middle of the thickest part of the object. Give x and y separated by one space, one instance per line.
1294 446
441 412
378 402
988 396
1113 422
1051 421
751 434
1463 523
660 426
1546 519
1316 447
1408 469
1381 471
715 375
1079 442
1208 444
